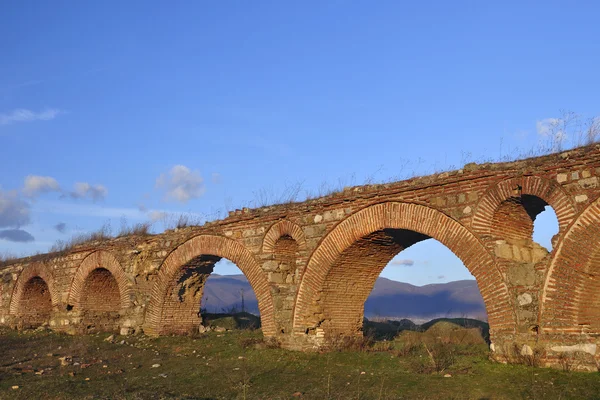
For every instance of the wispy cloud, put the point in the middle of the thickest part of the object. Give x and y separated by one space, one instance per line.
35 184
549 127
85 190
405 263
97 211
181 184
89 210
156 215
24 115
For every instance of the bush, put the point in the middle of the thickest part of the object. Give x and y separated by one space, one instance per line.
349 343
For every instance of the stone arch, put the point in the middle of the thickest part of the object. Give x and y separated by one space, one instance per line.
215 246
550 192
571 292
100 260
421 222
35 279
280 229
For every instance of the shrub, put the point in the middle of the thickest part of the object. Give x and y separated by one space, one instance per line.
349 343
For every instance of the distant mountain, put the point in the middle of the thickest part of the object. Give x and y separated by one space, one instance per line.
393 299
222 293
389 299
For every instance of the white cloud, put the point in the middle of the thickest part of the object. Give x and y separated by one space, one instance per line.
24 115
545 126
552 128
406 262
157 215
181 184
35 185
85 190
14 212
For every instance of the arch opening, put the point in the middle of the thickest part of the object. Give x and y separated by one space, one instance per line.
100 301
178 288
209 292
334 285
545 228
355 301
181 305
229 300
422 283
35 304
519 224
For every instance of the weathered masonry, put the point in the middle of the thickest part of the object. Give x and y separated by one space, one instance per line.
313 264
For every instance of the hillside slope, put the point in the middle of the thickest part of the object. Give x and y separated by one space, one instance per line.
388 299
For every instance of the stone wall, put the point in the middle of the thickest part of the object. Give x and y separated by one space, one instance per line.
312 264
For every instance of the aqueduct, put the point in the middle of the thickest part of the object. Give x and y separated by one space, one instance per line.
312 264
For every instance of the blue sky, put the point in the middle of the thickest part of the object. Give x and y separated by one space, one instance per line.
137 110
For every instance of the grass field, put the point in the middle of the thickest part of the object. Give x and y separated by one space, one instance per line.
238 364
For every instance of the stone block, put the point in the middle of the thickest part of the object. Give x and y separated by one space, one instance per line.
589 182
524 299
277 277
589 348
521 275
504 250
526 350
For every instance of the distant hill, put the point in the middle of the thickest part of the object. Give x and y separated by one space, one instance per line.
222 293
389 299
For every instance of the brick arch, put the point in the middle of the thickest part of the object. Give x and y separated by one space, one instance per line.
415 218
545 189
29 272
283 228
571 292
96 260
215 246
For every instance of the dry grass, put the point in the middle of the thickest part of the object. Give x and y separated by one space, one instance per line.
100 235
140 229
7 258
349 343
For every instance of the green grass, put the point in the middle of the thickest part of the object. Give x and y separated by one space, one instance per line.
237 365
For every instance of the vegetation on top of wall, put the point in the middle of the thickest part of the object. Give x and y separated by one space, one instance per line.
7 259
102 234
